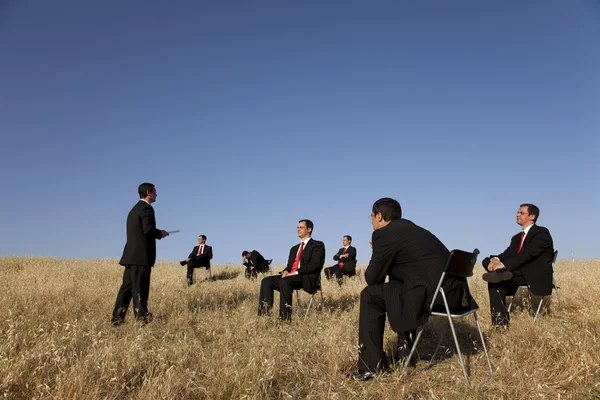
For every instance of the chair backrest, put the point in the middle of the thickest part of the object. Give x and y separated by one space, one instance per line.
555 257
460 263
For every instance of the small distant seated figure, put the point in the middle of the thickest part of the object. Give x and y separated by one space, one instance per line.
255 263
346 258
199 257
526 262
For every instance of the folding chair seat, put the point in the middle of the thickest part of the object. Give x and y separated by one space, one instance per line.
318 289
460 264
537 312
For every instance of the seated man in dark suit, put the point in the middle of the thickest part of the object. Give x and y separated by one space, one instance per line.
255 263
526 261
346 258
198 258
303 270
413 259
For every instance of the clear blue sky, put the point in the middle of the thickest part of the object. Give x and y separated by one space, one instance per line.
250 115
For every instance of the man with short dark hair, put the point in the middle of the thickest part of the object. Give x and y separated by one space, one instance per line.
199 258
303 270
255 263
346 258
526 262
138 257
413 259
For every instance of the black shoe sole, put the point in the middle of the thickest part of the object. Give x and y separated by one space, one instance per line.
497 277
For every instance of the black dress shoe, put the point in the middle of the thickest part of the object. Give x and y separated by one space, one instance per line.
497 276
182 262
360 376
116 321
189 282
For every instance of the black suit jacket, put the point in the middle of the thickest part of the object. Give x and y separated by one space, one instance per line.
349 267
257 261
311 263
534 261
202 260
140 248
413 259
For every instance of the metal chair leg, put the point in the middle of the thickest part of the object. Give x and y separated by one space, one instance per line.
309 305
460 359
484 350
538 309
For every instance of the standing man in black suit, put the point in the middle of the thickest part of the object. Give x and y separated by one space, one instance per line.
526 261
303 270
255 263
346 258
413 259
138 257
199 257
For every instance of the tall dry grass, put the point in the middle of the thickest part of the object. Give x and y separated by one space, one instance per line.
206 341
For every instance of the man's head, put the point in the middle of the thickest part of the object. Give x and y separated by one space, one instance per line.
305 228
245 255
147 192
346 240
201 239
527 215
384 211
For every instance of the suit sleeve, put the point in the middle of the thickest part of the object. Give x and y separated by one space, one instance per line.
149 223
540 242
336 257
351 254
381 260
317 259
254 258
193 253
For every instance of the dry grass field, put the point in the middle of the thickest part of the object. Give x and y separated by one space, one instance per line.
206 342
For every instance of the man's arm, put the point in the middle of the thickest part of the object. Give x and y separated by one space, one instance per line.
149 223
316 261
540 242
381 260
336 257
351 254
254 258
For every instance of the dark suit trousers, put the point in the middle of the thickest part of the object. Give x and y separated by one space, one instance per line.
336 271
190 269
371 325
136 286
285 287
498 293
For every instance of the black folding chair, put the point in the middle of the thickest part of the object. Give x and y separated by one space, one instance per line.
460 264
537 312
312 294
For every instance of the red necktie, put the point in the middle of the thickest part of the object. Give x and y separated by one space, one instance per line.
200 250
342 263
297 260
521 243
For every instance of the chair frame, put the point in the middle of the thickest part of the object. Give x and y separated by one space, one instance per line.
537 312
468 271
312 297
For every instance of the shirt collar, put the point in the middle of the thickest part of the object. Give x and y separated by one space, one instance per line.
526 230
